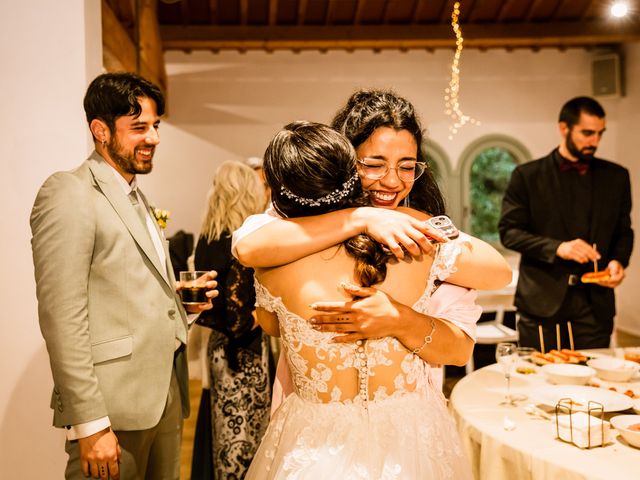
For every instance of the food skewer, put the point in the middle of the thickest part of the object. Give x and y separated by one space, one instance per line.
558 336
570 336
541 339
595 262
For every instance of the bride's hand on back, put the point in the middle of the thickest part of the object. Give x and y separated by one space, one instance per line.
373 315
397 230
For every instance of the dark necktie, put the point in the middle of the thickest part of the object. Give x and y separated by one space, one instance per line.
580 166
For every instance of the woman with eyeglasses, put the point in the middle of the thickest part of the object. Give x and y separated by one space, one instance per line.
386 133
364 409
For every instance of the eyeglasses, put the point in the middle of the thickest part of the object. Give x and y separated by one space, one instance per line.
375 169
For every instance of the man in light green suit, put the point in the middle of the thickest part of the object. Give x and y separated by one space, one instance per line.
113 323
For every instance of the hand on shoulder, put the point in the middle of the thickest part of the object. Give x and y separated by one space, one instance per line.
401 231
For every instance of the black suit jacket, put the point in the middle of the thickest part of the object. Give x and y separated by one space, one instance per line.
537 217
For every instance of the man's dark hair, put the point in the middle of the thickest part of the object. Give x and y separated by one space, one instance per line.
367 110
570 112
113 95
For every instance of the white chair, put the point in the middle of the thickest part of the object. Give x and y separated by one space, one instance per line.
493 331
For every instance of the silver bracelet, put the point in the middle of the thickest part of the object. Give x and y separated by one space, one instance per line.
427 339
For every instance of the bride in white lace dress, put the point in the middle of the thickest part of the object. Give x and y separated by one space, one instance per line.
365 410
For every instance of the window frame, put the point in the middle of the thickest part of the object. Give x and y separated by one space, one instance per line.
516 148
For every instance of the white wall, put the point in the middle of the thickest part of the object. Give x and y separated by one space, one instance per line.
227 106
46 67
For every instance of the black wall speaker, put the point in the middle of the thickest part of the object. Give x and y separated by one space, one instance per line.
606 75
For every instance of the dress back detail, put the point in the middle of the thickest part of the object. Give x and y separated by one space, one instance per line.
371 370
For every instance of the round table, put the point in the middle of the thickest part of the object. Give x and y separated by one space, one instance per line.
531 450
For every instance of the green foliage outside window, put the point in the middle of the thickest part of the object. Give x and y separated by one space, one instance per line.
490 174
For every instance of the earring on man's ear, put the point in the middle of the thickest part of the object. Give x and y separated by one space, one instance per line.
104 143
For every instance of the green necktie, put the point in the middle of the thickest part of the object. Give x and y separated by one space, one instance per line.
140 209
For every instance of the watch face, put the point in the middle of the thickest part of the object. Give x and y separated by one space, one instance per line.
445 225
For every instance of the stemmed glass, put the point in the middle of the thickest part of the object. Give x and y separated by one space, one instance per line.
507 356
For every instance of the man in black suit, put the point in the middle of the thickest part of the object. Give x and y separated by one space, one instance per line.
566 213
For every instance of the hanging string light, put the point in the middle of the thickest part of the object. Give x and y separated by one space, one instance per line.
451 93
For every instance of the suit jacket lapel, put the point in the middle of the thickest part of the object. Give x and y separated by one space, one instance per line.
106 182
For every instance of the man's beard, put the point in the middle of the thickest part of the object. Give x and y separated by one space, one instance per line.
127 160
583 155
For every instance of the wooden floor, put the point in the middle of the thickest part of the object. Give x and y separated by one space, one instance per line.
620 339
188 433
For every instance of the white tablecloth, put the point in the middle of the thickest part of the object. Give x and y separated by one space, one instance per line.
531 450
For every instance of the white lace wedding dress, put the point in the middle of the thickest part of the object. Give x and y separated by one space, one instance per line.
358 411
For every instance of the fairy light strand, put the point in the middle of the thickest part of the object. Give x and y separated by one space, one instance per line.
452 92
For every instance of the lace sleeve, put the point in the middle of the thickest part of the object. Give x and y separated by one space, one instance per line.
240 299
444 264
264 298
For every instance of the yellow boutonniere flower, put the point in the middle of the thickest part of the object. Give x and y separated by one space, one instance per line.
162 216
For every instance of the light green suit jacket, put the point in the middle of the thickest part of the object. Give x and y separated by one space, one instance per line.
108 309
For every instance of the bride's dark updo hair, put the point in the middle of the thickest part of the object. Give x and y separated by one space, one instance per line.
311 169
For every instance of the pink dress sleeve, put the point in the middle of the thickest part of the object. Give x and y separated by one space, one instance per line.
457 305
250 225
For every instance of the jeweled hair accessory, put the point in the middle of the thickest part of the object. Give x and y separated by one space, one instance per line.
333 197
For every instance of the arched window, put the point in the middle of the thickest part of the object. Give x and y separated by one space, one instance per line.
438 162
487 165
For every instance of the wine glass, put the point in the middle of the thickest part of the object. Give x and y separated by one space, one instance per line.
507 356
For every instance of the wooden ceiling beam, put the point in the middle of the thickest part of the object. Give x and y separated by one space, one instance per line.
504 9
273 12
119 50
532 35
417 8
125 11
357 18
468 13
185 13
302 11
330 12
213 12
592 9
445 11
557 7
244 12
386 13
533 7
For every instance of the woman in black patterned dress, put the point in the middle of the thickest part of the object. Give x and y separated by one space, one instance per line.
238 350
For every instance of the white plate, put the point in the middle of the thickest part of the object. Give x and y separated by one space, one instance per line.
636 405
612 401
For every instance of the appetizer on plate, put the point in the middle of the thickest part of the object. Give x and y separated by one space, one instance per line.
558 356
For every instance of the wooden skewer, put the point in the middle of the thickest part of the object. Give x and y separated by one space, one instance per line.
558 336
595 262
541 339
570 335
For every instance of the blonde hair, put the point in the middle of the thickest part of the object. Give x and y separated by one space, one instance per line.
236 193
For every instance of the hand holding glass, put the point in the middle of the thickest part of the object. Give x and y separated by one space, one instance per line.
193 288
507 356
